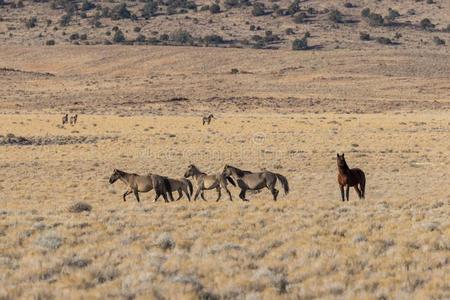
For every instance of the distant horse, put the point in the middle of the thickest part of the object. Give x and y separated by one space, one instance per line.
207 119
247 180
208 182
350 177
73 119
65 119
181 185
142 184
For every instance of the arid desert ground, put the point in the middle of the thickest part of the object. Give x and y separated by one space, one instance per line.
140 110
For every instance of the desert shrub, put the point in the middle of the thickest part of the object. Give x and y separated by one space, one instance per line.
119 37
165 241
300 18
50 43
150 8
213 39
171 10
258 9
384 40
137 29
289 31
252 27
120 11
231 3
270 37
76 262
74 36
365 12
49 240
164 37
65 20
438 41
140 38
31 22
20 4
364 36
204 8
234 71
80 207
335 16
181 36
275 7
300 44
70 8
86 5
426 24
105 12
348 5
214 8
392 14
293 8
375 19
260 44
83 15
83 36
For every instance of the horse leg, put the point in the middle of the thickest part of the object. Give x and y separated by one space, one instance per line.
219 193
197 192
229 194
186 191
126 194
203 195
136 194
180 194
274 193
242 195
164 196
342 192
348 192
358 191
156 197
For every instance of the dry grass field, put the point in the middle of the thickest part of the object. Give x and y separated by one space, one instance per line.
140 110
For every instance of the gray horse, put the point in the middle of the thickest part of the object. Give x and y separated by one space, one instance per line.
181 185
143 183
207 119
208 182
247 180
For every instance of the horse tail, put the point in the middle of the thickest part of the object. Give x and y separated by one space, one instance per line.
362 184
231 180
191 188
284 182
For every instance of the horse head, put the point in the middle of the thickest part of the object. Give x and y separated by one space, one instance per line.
115 175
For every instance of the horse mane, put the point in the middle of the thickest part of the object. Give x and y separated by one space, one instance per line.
197 169
238 171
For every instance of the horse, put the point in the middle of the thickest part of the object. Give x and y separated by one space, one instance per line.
350 177
207 119
247 180
65 119
181 185
73 119
209 182
142 184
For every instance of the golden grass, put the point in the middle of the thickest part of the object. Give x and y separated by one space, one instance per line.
309 244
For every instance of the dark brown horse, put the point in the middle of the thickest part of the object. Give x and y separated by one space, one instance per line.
350 177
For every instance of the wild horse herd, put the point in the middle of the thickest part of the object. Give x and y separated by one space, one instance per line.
245 180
